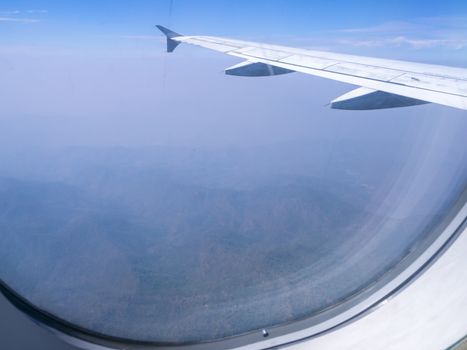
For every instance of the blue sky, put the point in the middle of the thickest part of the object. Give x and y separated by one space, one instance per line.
95 72
346 25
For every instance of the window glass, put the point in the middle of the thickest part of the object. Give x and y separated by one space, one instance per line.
148 197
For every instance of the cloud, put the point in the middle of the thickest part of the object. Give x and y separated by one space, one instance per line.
420 33
381 28
141 37
38 11
414 43
429 43
429 25
19 20
9 13
18 12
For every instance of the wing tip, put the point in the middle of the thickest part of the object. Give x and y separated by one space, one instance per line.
170 34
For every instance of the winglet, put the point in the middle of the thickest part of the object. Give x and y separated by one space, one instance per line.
171 44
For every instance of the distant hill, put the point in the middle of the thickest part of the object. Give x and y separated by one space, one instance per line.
163 245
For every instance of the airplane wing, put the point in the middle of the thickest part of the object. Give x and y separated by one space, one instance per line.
381 83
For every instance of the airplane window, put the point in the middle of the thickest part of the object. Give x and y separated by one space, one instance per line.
147 198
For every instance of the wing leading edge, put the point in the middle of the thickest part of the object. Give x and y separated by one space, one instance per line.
382 83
